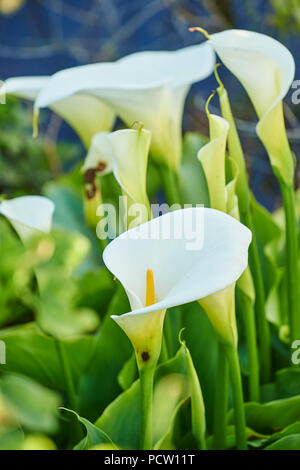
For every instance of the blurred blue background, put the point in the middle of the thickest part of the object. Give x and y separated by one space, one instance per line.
40 37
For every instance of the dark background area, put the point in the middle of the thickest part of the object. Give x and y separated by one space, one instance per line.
40 37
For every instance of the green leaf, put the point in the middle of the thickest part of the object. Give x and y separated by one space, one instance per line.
69 216
121 419
201 338
99 384
31 404
287 384
198 408
269 417
129 372
30 352
58 256
94 435
291 442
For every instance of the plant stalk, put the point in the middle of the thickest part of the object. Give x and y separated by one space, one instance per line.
221 400
146 384
263 330
248 315
71 394
243 193
238 401
292 271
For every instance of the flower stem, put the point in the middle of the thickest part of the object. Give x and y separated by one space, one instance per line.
71 394
292 273
146 384
263 330
221 400
242 189
170 184
238 402
248 315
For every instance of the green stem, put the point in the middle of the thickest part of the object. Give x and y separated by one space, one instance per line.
248 315
263 330
170 185
71 394
292 273
146 384
242 188
221 400
164 355
168 334
238 402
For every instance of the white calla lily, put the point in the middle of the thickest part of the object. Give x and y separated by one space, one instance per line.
160 267
130 150
147 86
125 152
28 215
86 114
266 69
181 275
100 155
212 158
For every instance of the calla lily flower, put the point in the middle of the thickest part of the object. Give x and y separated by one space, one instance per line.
146 86
180 274
86 114
212 158
125 152
266 69
28 215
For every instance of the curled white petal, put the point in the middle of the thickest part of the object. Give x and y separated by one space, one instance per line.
183 270
100 153
266 69
28 214
146 86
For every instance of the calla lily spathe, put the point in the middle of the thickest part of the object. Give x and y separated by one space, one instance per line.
146 86
86 114
180 275
28 215
266 69
125 152
212 158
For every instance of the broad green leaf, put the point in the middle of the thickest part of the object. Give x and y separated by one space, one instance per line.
129 372
57 257
94 436
273 416
201 338
121 419
289 430
178 431
30 352
291 442
287 384
69 216
99 384
30 404
198 407
253 437
11 439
